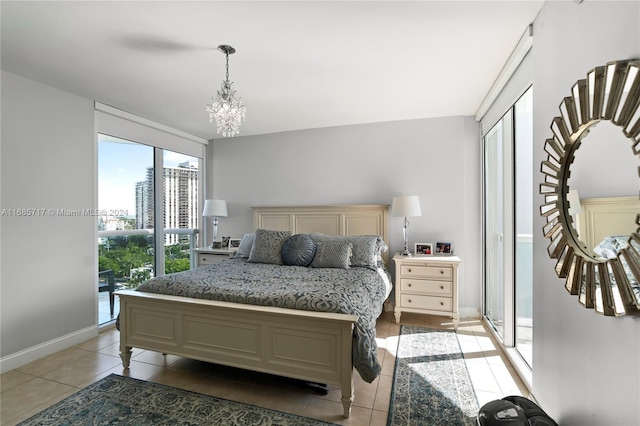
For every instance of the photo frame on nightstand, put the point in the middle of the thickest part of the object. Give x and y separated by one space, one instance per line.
444 249
234 243
424 248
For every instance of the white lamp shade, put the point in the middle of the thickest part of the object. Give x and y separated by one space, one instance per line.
214 208
406 206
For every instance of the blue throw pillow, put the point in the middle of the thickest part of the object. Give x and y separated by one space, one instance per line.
298 250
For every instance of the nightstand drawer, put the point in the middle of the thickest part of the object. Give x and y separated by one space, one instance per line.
438 288
210 259
442 272
426 302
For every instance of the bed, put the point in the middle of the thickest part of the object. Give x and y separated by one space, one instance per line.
600 218
274 331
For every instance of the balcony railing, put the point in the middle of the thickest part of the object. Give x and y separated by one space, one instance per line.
191 233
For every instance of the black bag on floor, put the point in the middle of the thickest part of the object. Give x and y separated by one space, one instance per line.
513 411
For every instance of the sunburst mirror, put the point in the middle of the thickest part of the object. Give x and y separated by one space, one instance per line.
611 284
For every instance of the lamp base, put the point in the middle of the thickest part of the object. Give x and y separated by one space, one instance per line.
405 252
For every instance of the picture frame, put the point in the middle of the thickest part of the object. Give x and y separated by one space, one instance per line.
444 248
234 243
424 249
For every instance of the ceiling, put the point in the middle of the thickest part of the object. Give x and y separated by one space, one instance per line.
299 64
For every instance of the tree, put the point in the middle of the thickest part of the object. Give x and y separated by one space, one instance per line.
176 265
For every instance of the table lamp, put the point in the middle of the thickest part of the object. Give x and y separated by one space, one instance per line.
214 209
406 206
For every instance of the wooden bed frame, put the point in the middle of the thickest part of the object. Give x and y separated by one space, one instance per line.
312 346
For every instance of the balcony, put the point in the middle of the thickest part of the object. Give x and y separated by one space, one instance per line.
130 254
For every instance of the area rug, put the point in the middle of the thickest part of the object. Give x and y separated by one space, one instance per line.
431 384
118 400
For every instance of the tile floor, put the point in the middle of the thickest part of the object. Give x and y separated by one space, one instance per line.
104 309
40 384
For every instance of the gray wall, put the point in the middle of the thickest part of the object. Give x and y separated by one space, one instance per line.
48 260
437 159
586 367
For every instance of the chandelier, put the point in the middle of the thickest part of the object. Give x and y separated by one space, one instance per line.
226 108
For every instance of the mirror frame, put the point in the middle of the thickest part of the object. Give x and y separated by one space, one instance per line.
609 93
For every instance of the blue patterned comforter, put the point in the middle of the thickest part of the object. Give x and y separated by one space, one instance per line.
356 291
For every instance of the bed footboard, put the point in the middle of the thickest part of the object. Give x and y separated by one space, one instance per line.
312 346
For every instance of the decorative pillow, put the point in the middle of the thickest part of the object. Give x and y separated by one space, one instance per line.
332 254
367 249
246 243
298 250
267 246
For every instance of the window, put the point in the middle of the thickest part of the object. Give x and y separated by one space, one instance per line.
149 202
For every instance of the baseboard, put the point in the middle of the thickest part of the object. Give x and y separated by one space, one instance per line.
471 312
24 357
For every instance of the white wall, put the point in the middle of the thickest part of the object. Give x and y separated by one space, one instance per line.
586 366
48 261
436 159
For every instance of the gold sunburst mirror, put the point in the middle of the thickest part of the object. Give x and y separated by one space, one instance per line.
610 285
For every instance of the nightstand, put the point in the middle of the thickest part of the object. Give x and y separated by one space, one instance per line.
427 285
208 256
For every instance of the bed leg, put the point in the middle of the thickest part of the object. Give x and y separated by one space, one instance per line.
125 355
347 399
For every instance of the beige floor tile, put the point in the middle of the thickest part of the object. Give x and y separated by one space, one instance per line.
508 380
484 397
469 345
482 376
378 418
13 378
365 393
388 364
51 362
289 400
105 338
331 411
83 369
29 395
383 394
136 370
114 350
38 409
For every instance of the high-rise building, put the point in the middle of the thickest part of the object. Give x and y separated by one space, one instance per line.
180 187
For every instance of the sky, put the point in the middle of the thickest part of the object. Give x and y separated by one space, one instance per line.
120 165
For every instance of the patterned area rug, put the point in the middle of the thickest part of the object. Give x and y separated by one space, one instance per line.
118 400
431 384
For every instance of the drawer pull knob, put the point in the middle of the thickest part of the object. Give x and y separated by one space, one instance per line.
409 284
441 303
441 287
409 300
441 271
409 270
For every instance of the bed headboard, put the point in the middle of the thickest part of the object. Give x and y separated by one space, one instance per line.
601 217
354 219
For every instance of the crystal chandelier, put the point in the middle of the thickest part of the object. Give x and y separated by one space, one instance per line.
226 108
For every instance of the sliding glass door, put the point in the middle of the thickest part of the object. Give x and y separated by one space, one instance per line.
148 199
524 210
125 227
508 222
498 216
